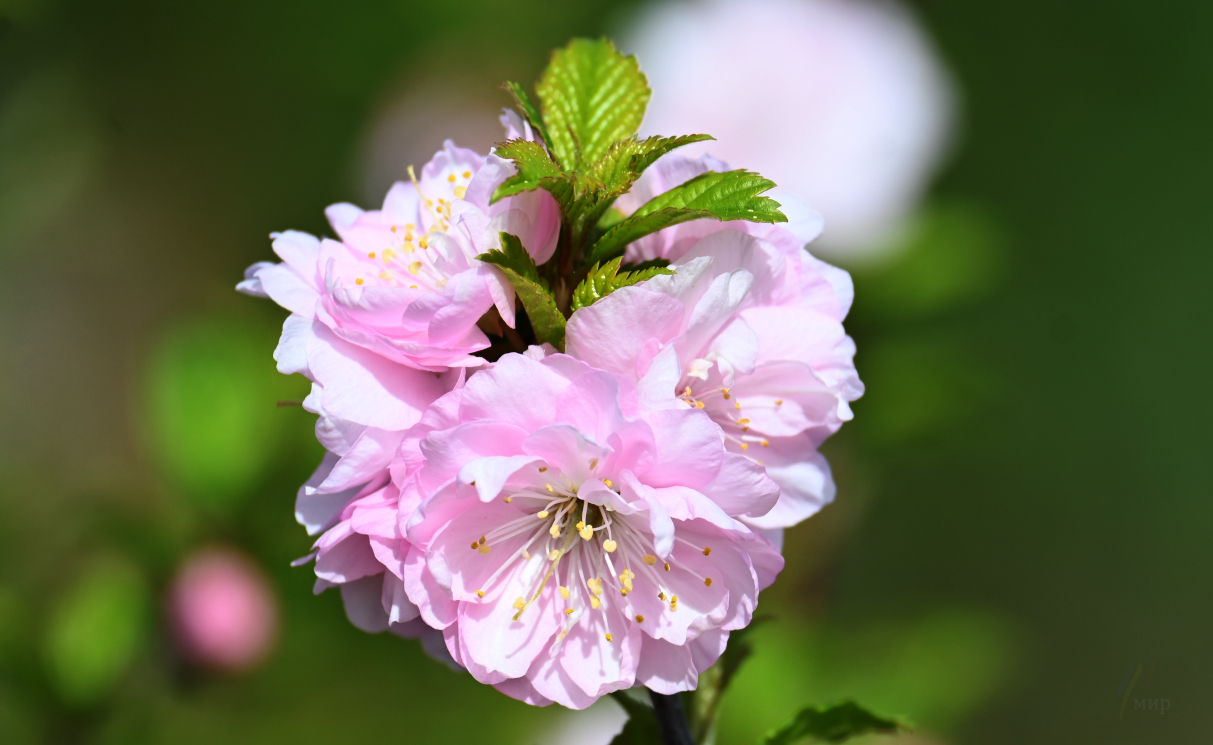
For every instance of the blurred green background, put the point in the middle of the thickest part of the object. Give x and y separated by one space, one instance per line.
1023 509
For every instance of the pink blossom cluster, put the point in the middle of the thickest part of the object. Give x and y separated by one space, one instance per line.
560 524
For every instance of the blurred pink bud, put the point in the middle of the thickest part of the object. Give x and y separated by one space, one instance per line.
223 613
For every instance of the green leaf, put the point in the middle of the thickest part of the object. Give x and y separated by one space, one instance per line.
833 724
518 266
535 169
732 195
591 96
601 282
528 109
96 631
641 727
626 159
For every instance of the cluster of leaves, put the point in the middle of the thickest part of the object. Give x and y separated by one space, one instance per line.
592 99
832 724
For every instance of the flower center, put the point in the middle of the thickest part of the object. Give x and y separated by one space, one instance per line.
725 409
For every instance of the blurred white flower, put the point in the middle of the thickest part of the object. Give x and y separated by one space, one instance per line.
842 101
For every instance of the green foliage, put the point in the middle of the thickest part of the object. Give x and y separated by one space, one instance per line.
211 419
833 724
732 195
528 109
626 159
96 630
703 703
601 282
592 96
641 727
535 169
518 266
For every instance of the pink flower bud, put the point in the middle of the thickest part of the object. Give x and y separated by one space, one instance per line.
222 610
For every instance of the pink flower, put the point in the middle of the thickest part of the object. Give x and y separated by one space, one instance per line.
749 331
223 612
845 102
570 543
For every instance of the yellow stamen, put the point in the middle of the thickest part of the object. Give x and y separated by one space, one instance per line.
564 592
707 582
520 603
554 555
743 422
661 596
639 619
451 178
475 545
480 593
549 487
608 637
766 443
745 446
415 267
358 281
526 554
555 530
371 255
467 174
737 404
725 391
460 192
667 566
542 469
586 533
484 549
543 514
699 404
674 603
568 611
607 482
650 559
778 401
707 550
609 546
509 499
595 603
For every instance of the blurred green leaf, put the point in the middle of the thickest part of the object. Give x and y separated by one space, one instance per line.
514 261
591 96
602 281
703 703
833 724
953 253
732 195
641 727
212 419
96 630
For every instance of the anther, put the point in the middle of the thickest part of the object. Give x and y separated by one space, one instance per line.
707 550
568 611
595 603
415 267
475 545
358 281
707 582
639 619
555 530
609 546
778 401
745 446
608 637
661 596
542 469
737 405
371 255
549 487
526 555
586 533
743 422
460 192
650 559
554 555
451 178
467 174
725 391
509 499
543 515
667 566
607 482
520 603
480 593
484 548
766 443
674 602
699 404
564 592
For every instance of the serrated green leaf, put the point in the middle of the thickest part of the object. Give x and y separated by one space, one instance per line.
626 159
528 109
831 724
518 266
732 195
601 282
641 727
591 96
535 169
